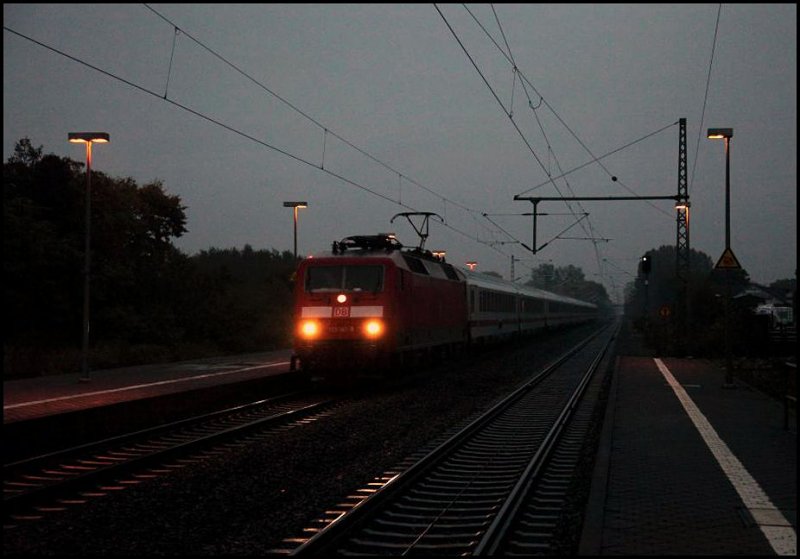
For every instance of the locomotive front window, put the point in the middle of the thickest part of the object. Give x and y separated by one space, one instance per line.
324 277
347 278
363 278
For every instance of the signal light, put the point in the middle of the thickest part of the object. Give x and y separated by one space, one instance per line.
646 264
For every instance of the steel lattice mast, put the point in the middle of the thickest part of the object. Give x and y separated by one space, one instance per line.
682 250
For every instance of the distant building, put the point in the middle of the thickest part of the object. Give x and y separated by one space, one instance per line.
755 295
763 301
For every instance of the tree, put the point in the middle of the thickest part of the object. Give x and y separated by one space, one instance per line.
786 288
25 153
663 287
242 299
42 249
43 226
150 302
569 281
543 277
707 291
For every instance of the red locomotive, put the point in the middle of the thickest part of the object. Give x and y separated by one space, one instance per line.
370 302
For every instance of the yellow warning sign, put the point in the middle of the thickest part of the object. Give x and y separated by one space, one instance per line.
728 261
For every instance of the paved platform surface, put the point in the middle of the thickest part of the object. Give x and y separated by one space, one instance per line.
32 398
688 466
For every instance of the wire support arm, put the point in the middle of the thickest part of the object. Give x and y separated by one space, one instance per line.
538 199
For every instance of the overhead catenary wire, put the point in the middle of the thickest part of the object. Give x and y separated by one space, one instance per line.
608 154
550 151
551 179
491 89
219 123
198 114
590 232
705 96
542 100
508 113
211 119
326 130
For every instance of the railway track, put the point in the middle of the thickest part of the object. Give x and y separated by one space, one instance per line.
496 486
51 482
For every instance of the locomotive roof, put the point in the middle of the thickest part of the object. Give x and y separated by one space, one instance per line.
413 260
419 261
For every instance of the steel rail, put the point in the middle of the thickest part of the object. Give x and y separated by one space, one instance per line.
124 438
348 522
44 483
497 531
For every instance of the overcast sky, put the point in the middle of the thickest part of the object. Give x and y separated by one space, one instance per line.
252 105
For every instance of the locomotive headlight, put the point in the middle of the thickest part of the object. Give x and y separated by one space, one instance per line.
309 329
373 328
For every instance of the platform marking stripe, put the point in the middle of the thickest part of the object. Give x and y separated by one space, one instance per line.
124 388
773 524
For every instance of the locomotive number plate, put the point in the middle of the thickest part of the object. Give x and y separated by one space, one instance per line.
341 330
341 312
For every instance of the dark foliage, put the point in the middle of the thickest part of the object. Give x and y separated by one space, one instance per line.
655 302
571 282
245 303
149 301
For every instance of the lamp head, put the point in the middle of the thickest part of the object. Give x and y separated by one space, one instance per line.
84 137
719 133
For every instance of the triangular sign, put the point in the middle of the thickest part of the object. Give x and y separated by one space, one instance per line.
728 261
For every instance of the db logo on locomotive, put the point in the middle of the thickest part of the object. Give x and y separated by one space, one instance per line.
341 312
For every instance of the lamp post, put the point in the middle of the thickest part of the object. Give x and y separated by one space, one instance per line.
296 206
726 134
87 138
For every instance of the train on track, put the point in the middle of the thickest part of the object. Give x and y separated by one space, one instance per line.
371 303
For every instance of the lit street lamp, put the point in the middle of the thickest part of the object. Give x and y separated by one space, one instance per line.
726 134
87 138
296 206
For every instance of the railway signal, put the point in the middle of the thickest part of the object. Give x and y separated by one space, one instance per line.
646 264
